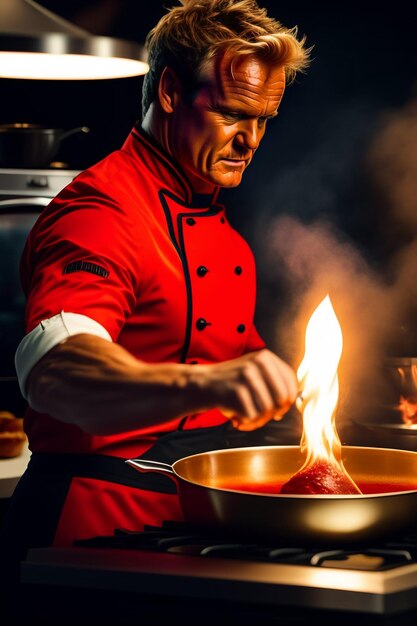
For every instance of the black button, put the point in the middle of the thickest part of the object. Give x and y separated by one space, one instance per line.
222 220
193 362
190 221
202 270
238 270
241 328
201 323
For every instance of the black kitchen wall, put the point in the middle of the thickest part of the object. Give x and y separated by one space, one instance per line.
364 61
329 201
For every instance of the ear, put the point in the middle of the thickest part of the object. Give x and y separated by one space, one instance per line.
169 90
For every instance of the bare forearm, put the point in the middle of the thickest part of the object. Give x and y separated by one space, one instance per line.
100 387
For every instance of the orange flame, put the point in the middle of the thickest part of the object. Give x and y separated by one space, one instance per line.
317 375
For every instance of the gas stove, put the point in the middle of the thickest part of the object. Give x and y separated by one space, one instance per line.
179 561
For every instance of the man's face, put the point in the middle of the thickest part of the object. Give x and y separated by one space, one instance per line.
215 136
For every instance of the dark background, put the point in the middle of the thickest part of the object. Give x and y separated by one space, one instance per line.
329 203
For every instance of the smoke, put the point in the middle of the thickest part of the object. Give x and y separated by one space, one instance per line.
376 303
392 164
316 261
392 167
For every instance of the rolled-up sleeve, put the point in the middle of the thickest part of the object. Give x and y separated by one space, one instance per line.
46 335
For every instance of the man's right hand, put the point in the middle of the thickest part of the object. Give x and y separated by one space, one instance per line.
252 389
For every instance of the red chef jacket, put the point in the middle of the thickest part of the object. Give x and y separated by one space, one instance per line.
129 245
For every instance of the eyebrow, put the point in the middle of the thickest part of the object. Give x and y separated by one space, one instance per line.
220 107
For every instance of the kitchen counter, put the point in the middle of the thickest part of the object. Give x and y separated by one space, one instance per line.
11 470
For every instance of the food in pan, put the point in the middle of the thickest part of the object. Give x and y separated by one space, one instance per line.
321 477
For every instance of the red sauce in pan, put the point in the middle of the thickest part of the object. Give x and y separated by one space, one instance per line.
365 487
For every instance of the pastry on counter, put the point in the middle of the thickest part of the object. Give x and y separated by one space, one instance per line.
12 436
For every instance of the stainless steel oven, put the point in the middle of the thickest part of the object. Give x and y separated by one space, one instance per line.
23 195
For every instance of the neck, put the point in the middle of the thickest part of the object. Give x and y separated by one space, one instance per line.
157 125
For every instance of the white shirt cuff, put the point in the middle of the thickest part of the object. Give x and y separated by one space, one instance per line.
48 334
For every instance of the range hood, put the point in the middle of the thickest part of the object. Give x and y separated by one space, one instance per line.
38 44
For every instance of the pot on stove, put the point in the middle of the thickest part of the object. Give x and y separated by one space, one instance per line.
401 373
24 145
393 421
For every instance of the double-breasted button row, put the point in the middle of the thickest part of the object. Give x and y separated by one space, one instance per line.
202 270
201 324
191 221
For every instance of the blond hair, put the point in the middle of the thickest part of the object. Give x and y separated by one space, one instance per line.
188 36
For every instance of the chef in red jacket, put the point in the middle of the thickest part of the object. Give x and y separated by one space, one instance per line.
140 294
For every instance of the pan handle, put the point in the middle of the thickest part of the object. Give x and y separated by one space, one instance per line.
72 131
145 465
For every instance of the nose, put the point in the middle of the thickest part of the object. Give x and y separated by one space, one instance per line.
250 134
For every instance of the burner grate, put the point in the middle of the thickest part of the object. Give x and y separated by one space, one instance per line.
182 538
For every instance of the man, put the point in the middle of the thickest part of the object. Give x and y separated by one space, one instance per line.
141 296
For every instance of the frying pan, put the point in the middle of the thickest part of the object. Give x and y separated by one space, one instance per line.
310 519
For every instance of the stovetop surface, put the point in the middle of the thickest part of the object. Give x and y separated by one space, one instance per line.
183 538
183 564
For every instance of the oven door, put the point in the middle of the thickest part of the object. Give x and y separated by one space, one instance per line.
17 216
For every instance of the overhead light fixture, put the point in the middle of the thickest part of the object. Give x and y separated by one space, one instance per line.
37 44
